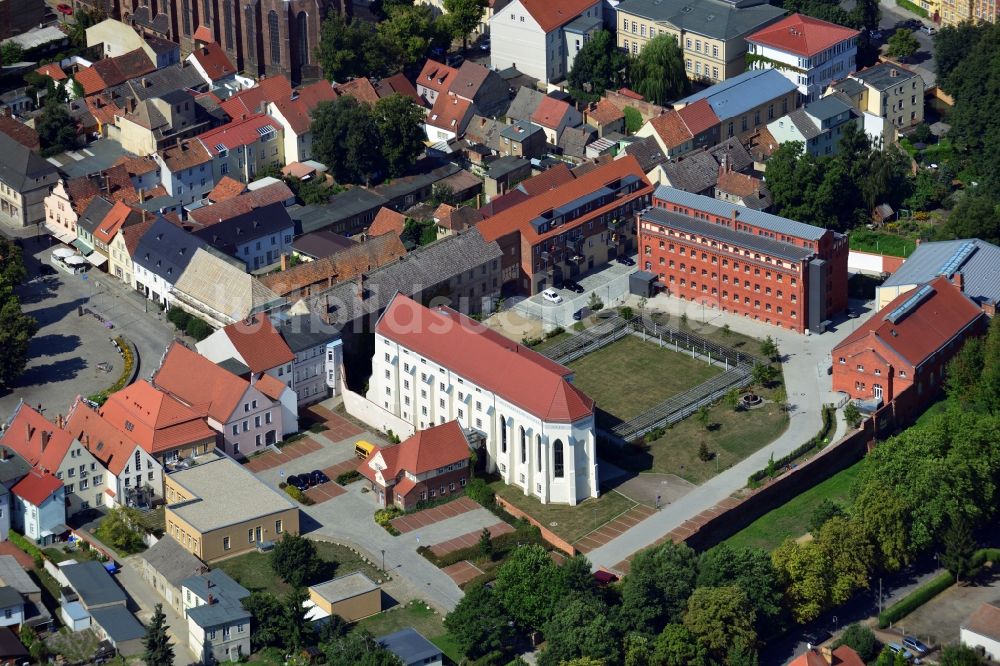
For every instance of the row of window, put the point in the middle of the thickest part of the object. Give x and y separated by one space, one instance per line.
433 492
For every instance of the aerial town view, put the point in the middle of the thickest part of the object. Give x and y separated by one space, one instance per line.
500 332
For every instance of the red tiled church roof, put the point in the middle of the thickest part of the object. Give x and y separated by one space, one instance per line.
802 35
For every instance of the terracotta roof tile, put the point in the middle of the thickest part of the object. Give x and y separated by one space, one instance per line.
399 84
157 421
137 166
114 221
604 112
213 60
259 345
558 175
436 76
103 110
53 71
270 386
133 233
226 188
236 133
37 487
108 444
671 129
208 389
450 113
984 621
551 14
298 111
360 89
457 219
189 153
550 112
254 100
36 439
739 184
422 452
204 34
24 135
699 116
241 204
802 35
387 221
521 376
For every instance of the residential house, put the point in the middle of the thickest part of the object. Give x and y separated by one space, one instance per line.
974 259
25 180
39 507
819 125
213 65
12 607
92 599
505 173
679 132
387 221
532 37
163 426
319 245
432 366
698 172
87 224
894 93
581 224
411 648
553 116
525 102
120 215
13 575
605 117
217 509
981 630
579 143
257 238
116 38
245 146
20 132
578 32
434 80
122 248
397 84
432 463
161 256
352 596
220 292
711 33
648 153
809 52
448 118
880 130
828 656
743 190
114 71
451 220
245 418
481 86
908 342
12 650
523 139
747 102
187 170
62 212
164 566
47 447
218 625
134 476
293 113
222 207
159 122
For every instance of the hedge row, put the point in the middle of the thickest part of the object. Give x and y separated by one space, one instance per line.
915 600
28 547
524 534
774 467
916 9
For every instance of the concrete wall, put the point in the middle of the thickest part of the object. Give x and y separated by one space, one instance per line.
381 419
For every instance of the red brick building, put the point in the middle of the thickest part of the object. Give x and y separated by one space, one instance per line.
559 233
908 342
743 261
432 464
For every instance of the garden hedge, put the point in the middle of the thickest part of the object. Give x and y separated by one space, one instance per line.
915 600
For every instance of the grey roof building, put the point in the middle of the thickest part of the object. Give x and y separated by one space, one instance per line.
166 250
301 332
118 625
13 468
524 104
231 234
28 179
739 94
698 172
411 647
165 564
884 75
322 243
218 626
716 19
648 152
977 261
349 212
93 585
161 82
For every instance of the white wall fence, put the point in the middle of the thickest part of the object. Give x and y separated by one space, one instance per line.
377 417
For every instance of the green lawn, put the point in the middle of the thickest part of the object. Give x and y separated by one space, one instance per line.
253 570
550 342
630 376
932 412
876 242
418 615
569 522
791 518
716 334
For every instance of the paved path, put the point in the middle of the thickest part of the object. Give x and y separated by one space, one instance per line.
146 599
462 572
469 539
420 519
284 455
808 384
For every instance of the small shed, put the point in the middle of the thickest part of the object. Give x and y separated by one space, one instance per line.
412 648
642 284
352 597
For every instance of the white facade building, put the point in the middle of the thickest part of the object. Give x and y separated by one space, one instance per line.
436 365
809 52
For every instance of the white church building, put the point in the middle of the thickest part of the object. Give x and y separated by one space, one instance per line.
436 365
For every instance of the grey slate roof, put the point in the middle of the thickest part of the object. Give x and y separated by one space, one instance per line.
849 87
400 187
10 597
980 270
322 243
14 575
160 24
582 24
736 96
884 75
160 82
519 130
410 646
499 168
574 140
94 214
226 596
648 152
118 623
301 332
21 169
12 468
807 128
781 225
344 587
166 250
93 583
524 104
712 18
422 268
725 234
236 367
827 107
258 223
695 172
171 560
341 206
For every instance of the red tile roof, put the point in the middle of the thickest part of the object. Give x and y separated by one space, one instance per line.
425 451
189 153
235 133
226 188
24 135
457 219
137 166
521 376
240 204
923 330
436 76
558 175
387 221
984 621
842 656
298 111
450 113
699 117
103 110
518 218
399 84
113 222
270 386
157 421
53 71
802 35
739 184
213 60
133 233
550 112
207 388
254 100
112 71
360 89
628 92
671 129
108 444
259 343
204 34
551 14
36 439
37 487
604 112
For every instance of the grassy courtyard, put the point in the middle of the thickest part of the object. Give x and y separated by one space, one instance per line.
253 570
630 376
569 522
791 518
418 615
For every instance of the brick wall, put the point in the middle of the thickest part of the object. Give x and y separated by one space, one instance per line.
550 537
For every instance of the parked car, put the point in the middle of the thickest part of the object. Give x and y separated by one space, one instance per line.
626 261
317 477
63 8
581 313
875 34
573 286
454 60
552 296
299 482
915 645
900 650
485 45
927 30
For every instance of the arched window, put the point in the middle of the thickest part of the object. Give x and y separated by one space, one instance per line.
227 18
503 435
557 459
302 28
251 35
206 8
538 451
186 11
524 446
272 29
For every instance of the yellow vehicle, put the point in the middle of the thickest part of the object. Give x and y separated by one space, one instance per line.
363 449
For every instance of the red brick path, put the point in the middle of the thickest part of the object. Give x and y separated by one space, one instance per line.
413 521
339 427
470 539
462 572
286 454
613 528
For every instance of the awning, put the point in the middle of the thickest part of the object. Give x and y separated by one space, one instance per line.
82 246
61 233
55 530
63 252
96 258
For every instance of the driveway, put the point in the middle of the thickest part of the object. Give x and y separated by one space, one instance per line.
145 600
610 283
923 61
806 359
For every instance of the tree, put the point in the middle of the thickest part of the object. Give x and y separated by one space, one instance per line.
479 624
850 558
959 654
408 32
852 415
659 583
122 529
861 639
769 349
633 120
823 512
580 628
903 44
11 53
527 586
959 547
678 646
294 558
703 416
952 45
866 14
486 543
762 374
704 453
720 617
198 328
56 129
805 575
964 371
638 650
157 650
464 16
732 398
882 518
889 658
358 648
344 133
595 303
658 73
16 328
975 216
348 50
780 398
294 626
752 571
400 126
598 65
265 611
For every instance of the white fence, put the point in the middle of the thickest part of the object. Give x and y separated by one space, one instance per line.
368 412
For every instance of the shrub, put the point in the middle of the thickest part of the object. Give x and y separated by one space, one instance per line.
384 516
774 467
479 491
654 434
558 330
350 476
198 329
28 547
915 600
298 495
179 318
502 544
626 312
861 639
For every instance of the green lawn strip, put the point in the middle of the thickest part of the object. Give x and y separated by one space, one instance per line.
932 412
790 519
253 570
630 376
551 342
881 243
415 614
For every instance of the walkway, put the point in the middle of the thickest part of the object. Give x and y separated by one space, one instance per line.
426 517
808 387
614 528
272 458
338 428
469 539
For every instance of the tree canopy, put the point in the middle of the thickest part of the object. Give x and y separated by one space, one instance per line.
902 44
56 129
598 66
658 72
157 649
16 328
294 558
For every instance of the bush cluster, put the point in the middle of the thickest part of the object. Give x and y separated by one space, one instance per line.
502 544
915 600
774 467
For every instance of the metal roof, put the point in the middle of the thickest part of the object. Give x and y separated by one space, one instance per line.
226 595
410 646
884 75
118 623
977 261
171 560
711 18
94 585
725 234
736 96
781 225
166 250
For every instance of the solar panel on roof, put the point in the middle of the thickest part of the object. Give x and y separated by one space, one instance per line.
957 258
910 303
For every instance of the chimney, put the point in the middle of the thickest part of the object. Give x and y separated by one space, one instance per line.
30 431
284 262
59 421
958 281
361 286
211 599
45 439
893 72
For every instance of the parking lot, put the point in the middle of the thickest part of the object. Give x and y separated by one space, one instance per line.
610 283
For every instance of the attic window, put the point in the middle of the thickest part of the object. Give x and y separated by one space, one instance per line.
129 426
100 445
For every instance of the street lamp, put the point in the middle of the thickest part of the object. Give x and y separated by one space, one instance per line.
383 560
